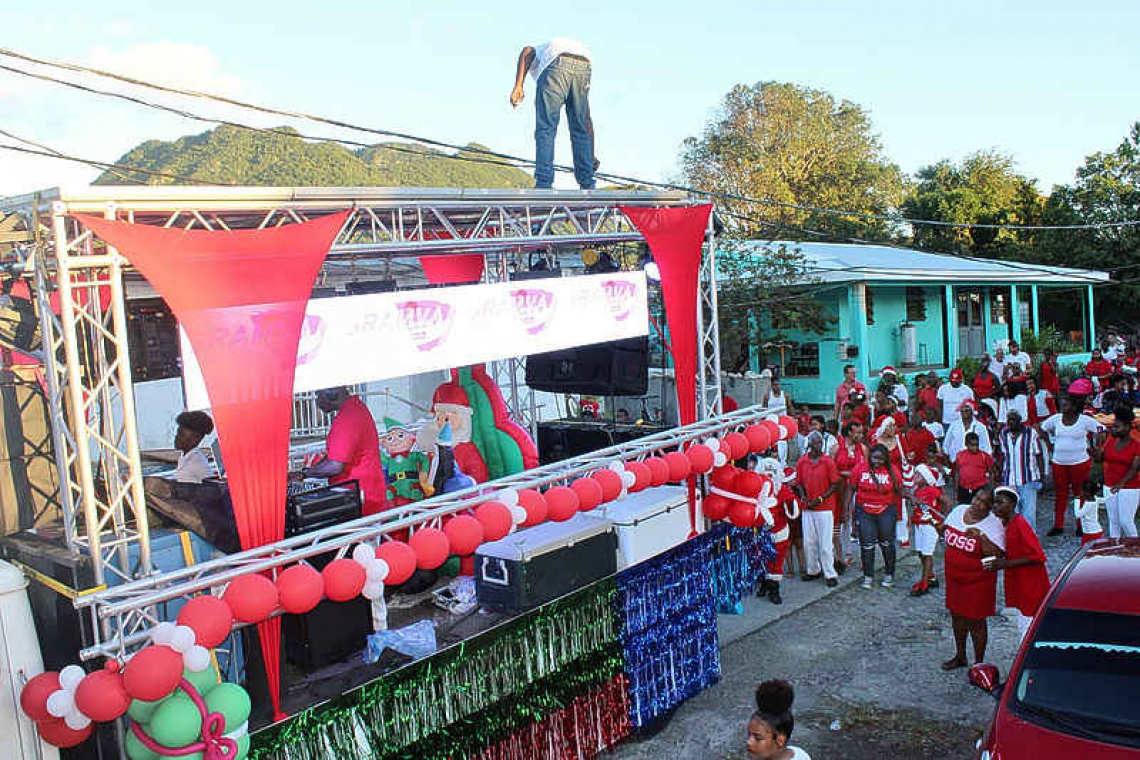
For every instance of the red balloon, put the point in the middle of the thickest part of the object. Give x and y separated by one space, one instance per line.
742 514
401 560
102 696
701 458
735 445
344 578
679 465
496 519
562 503
300 588
775 432
759 439
535 505
57 733
610 482
33 697
210 617
747 483
589 493
789 425
431 548
153 673
464 533
715 506
252 598
641 476
724 477
658 471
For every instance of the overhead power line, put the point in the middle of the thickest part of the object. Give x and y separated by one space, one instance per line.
509 158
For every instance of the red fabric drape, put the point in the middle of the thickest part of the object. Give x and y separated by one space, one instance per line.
675 236
453 270
241 298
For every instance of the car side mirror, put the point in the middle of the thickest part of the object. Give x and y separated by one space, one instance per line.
987 678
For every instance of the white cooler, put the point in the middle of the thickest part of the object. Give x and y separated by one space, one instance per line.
647 522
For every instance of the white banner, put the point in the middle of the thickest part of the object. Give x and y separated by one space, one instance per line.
356 339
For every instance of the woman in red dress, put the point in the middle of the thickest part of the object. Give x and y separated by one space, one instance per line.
971 534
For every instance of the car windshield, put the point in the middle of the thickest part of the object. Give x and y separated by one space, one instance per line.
1081 675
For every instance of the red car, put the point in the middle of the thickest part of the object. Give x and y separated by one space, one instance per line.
1074 688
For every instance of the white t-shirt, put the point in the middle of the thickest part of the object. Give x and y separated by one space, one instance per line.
799 754
935 429
1020 358
545 53
1018 403
998 368
951 398
1087 514
1070 442
193 467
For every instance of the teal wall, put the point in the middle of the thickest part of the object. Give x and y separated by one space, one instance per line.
885 341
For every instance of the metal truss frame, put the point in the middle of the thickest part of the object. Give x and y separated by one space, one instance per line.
89 380
127 611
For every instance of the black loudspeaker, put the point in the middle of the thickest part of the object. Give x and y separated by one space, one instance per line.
328 633
617 368
562 439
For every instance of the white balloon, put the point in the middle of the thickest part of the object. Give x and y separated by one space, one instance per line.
76 720
362 553
162 632
382 571
624 493
70 677
238 732
518 514
182 639
627 479
375 570
508 496
372 590
197 658
617 466
713 443
60 703
719 459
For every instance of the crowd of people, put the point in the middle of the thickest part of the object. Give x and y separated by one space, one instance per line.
961 460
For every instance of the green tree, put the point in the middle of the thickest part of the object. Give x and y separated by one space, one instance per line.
794 145
985 188
1106 190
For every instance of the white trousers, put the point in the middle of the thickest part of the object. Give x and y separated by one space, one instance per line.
1121 508
902 531
818 525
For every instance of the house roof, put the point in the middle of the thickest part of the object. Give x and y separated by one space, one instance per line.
848 262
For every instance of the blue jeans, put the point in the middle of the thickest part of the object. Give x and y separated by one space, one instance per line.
566 81
1027 502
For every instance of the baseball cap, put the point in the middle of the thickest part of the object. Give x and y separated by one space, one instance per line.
1080 387
956 374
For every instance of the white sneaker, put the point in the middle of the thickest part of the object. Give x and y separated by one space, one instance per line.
866 584
888 581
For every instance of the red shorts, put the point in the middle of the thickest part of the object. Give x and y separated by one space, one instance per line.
974 600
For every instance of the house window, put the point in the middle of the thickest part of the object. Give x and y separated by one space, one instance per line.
869 300
915 304
999 307
803 360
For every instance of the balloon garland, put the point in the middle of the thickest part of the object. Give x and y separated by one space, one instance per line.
171 694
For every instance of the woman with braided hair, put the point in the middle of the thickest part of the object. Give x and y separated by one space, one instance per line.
771 725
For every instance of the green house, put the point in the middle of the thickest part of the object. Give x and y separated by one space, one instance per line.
919 312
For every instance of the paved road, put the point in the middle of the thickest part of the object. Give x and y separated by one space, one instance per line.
867 658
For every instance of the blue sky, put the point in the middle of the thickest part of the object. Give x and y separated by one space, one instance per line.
1047 82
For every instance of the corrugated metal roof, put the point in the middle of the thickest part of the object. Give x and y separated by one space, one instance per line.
849 262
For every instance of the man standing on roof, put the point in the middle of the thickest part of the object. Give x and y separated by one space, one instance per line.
353 448
561 70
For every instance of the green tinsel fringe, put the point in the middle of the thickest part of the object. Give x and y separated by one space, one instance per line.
409 705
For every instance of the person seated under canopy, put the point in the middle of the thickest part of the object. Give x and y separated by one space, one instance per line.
193 466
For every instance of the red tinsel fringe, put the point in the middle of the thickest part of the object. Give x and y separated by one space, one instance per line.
588 726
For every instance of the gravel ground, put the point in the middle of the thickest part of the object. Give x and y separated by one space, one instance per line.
869 659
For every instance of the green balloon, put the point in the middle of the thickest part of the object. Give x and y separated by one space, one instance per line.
176 722
203 681
243 747
231 701
451 567
136 750
142 711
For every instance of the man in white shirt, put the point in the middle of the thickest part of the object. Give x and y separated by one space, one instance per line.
561 70
951 396
897 387
193 467
956 432
1019 357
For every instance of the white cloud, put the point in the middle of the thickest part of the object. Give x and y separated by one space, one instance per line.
192 67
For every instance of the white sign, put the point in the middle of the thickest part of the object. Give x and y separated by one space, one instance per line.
356 339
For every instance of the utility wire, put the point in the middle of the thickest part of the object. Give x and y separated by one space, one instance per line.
517 159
